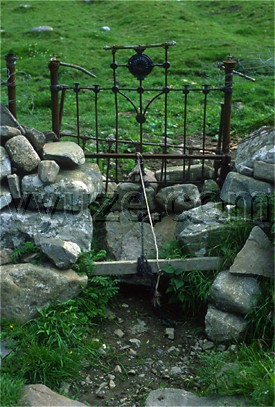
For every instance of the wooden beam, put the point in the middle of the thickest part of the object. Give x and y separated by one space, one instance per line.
129 267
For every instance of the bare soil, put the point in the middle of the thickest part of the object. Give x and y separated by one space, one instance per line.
137 356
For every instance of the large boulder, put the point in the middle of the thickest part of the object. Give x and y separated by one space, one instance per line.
36 138
181 398
7 119
22 154
5 163
264 171
222 327
245 192
66 154
7 132
72 190
258 146
200 228
194 172
123 236
128 196
36 395
256 257
5 196
63 254
19 226
235 294
178 198
26 287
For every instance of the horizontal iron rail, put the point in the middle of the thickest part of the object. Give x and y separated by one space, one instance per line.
141 47
157 156
132 142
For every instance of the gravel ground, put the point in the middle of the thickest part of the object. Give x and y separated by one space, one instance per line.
140 352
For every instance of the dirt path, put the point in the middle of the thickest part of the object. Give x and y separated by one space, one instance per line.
140 352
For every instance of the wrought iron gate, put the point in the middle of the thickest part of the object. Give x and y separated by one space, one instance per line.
113 148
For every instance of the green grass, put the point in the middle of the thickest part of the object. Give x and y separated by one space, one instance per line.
248 372
205 32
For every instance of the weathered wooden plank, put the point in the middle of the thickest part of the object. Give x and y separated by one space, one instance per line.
128 267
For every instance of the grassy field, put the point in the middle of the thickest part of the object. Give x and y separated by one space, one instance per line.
206 32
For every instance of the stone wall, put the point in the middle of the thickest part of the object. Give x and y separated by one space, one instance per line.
46 190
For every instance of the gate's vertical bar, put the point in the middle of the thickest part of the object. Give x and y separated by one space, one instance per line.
217 163
229 67
76 90
11 82
96 90
115 90
166 91
205 90
185 92
54 67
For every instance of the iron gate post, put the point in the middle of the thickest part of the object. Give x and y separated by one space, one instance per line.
11 82
229 65
54 67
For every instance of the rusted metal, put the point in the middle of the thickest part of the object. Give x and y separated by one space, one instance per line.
11 81
79 68
54 67
141 65
228 89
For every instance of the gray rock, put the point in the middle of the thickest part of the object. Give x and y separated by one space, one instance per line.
36 138
22 153
256 257
42 28
170 333
222 327
7 132
165 229
210 191
243 191
182 398
177 198
48 171
7 119
259 146
63 254
25 287
264 171
5 163
5 256
73 190
148 177
128 196
235 294
65 153
35 395
194 172
199 229
5 196
19 226
123 236
14 185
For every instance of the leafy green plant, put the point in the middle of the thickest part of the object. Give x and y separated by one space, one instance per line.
190 289
231 241
261 317
248 372
85 262
52 348
10 390
27 248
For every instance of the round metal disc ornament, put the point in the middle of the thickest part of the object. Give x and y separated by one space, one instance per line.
140 65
